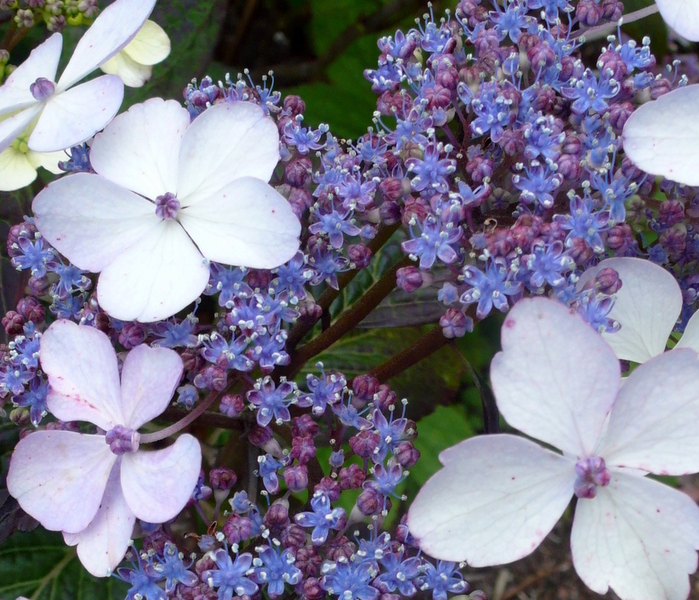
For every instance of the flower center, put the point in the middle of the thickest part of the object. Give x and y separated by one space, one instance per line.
122 440
42 89
166 206
592 472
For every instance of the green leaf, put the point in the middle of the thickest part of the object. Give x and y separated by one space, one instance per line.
40 566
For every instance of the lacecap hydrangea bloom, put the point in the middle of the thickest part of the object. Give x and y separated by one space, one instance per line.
557 380
92 487
167 197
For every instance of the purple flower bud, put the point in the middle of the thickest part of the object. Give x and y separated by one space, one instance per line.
278 515
406 454
370 502
359 255
166 206
455 323
121 440
479 168
619 113
620 238
588 13
260 435
352 477
365 443
670 213
39 286
304 426
232 405
608 281
309 312
340 549
612 61
42 89
592 472
409 279
660 87
390 213
222 479
569 167
296 478
132 334
293 536
385 399
312 589
612 10
674 240
294 105
31 310
331 488
21 418
238 529
302 448
392 188
298 171
212 377
541 56
13 323
512 142
365 386
300 200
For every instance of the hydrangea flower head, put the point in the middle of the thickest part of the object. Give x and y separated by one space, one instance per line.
66 116
93 487
557 380
167 197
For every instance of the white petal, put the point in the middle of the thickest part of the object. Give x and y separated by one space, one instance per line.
46 160
15 170
91 220
646 306
638 537
227 141
652 426
58 477
494 502
12 127
662 137
154 278
112 30
690 337
148 381
158 484
81 365
104 542
139 149
682 16
150 46
133 74
42 62
248 223
73 117
556 378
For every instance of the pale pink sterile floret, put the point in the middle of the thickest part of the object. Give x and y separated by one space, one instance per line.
93 487
168 197
556 380
59 113
647 307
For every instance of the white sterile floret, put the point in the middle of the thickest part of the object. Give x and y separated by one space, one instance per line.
134 64
167 197
647 307
682 16
60 114
557 380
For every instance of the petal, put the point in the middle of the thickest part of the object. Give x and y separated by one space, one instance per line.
662 137
128 70
139 149
638 537
81 365
494 502
158 484
556 378
148 381
12 127
104 542
15 170
46 160
646 306
42 62
690 337
248 224
652 426
682 16
91 220
112 30
154 278
73 117
227 141
150 46
58 477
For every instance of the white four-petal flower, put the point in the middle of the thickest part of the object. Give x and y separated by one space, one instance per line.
80 484
67 115
167 196
556 380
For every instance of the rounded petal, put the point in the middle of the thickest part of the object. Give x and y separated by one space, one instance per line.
148 381
690 337
12 127
42 62
662 137
652 426
158 484
82 369
15 170
682 16
248 224
150 46
638 537
59 477
133 74
226 142
46 160
646 306
139 149
73 117
112 30
154 278
556 378
104 542
91 220
494 502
